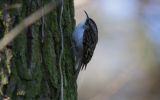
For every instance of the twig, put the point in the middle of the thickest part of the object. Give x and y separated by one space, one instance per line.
62 48
25 23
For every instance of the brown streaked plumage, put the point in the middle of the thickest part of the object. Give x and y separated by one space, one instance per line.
85 38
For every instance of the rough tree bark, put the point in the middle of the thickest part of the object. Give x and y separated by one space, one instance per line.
29 65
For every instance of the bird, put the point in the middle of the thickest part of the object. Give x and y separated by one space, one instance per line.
84 41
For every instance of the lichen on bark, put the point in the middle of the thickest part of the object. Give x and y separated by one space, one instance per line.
34 66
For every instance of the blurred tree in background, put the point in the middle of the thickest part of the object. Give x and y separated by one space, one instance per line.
29 67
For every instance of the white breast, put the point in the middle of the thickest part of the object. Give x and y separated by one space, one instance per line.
78 35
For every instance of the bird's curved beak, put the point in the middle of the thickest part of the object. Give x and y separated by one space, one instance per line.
86 14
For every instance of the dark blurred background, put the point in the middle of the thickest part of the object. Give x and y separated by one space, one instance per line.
126 62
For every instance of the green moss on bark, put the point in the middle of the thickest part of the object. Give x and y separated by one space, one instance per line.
34 70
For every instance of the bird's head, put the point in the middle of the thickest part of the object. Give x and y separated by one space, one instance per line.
90 24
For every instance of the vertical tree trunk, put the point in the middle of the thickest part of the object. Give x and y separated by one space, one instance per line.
32 71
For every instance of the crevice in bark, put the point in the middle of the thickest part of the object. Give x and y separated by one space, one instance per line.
34 68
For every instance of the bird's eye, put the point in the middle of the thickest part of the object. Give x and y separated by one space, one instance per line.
86 26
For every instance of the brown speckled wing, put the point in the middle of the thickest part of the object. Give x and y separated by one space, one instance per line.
90 39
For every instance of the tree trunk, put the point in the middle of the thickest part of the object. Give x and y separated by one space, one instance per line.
29 68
